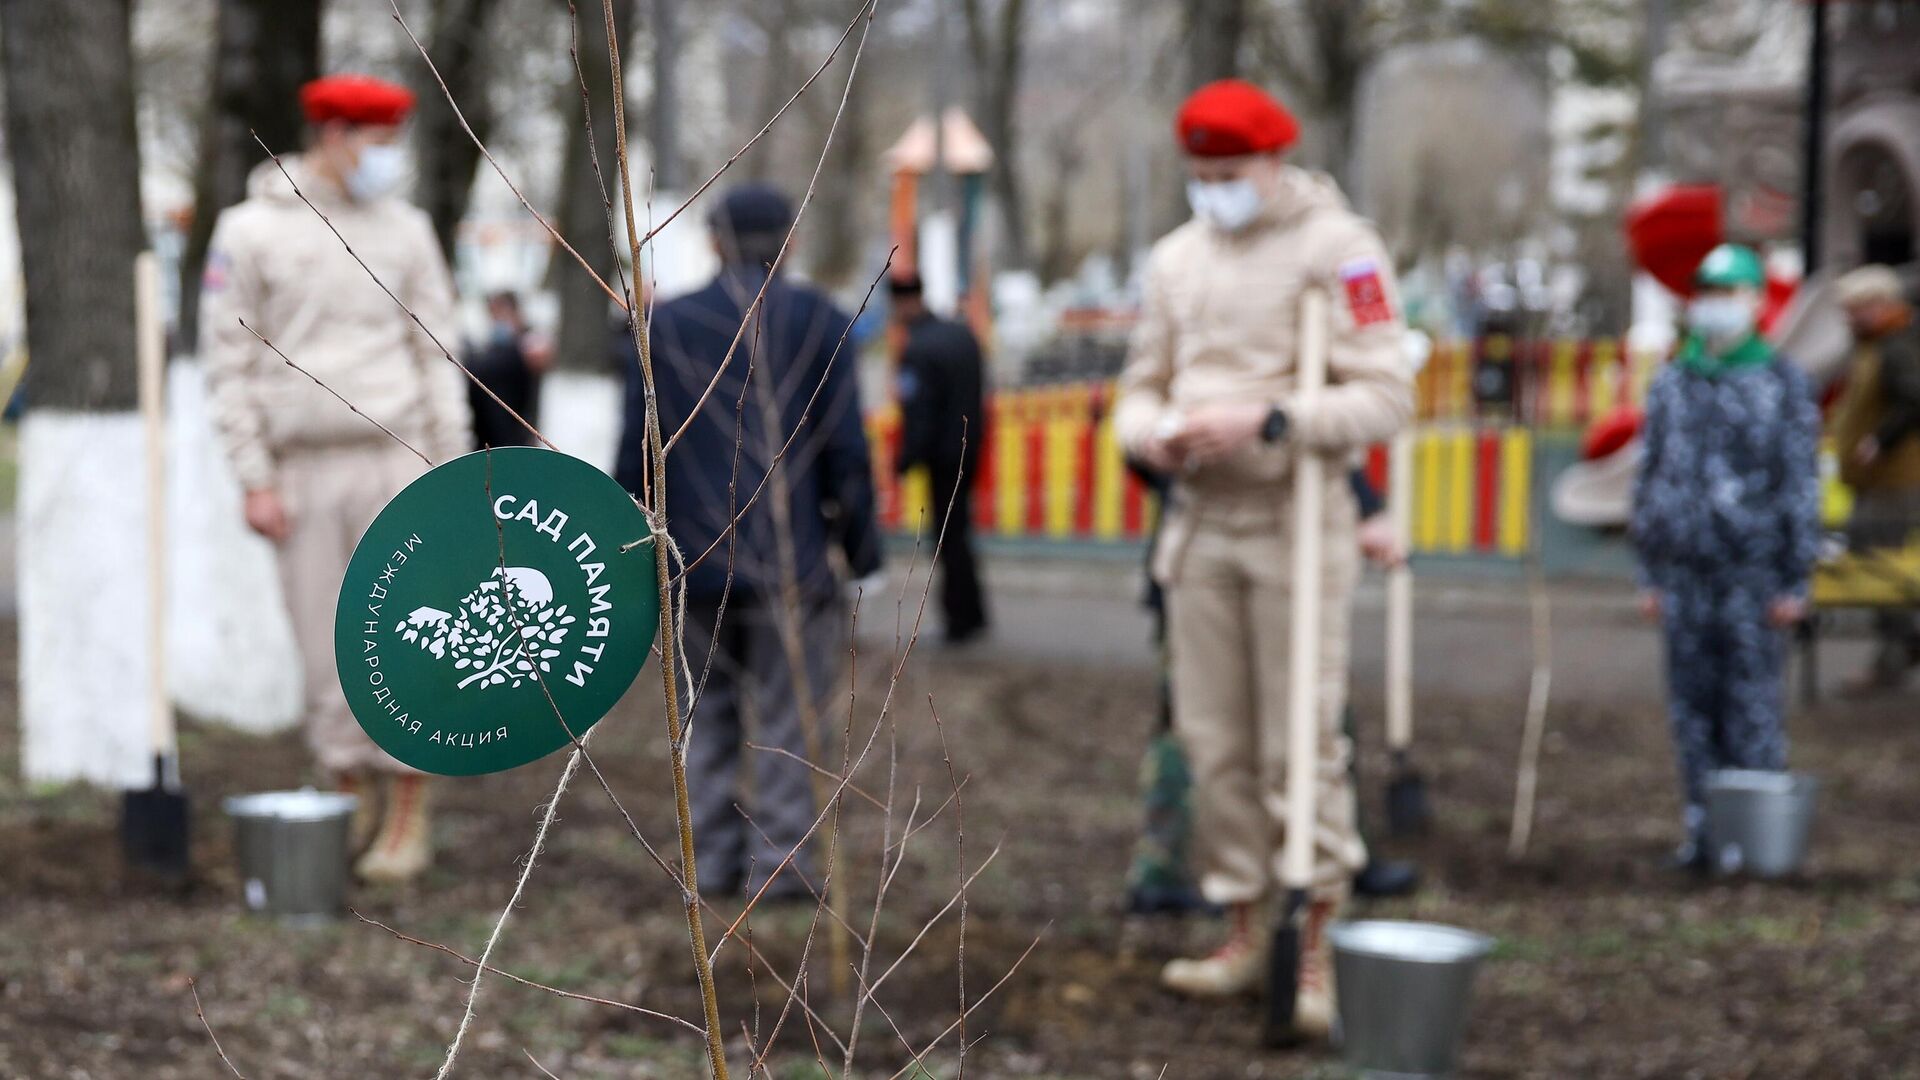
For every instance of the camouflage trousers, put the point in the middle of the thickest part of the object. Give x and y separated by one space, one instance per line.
1725 678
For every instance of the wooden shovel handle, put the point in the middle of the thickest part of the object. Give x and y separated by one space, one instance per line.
1303 667
150 346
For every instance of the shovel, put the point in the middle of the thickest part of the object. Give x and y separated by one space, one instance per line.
153 822
1303 684
1407 809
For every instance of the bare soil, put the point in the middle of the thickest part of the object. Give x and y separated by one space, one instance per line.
1608 966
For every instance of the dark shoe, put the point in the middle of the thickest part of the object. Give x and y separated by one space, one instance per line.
1387 877
961 635
1691 857
1171 900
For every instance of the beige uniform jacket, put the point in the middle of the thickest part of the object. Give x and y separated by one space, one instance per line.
276 264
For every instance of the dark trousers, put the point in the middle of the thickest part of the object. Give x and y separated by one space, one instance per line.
743 834
961 602
1724 669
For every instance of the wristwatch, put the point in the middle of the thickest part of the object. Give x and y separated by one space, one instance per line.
1275 427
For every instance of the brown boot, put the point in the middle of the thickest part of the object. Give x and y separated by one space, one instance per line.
1314 1008
405 844
366 809
1235 969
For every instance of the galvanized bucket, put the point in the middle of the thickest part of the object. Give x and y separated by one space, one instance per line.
1757 821
292 847
1404 990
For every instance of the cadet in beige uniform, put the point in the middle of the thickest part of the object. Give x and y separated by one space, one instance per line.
1208 396
315 474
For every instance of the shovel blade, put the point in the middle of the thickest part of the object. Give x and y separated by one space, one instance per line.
1277 1029
153 832
1408 812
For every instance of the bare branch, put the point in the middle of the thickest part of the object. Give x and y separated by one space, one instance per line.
201 1013
481 968
285 359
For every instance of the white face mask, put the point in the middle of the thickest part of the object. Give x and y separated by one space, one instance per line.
1228 205
378 172
1721 321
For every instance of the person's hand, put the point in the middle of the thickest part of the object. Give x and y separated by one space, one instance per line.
538 350
1867 450
267 515
1216 430
1380 542
1161 452
1786 610
1650 605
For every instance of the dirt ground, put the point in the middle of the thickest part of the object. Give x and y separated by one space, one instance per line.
1607 966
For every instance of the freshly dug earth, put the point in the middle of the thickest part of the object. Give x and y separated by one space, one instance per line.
1607 967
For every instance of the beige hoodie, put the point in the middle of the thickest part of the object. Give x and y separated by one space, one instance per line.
1219 323
276 264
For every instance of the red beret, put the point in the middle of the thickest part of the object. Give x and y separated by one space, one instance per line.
1230 118
356 99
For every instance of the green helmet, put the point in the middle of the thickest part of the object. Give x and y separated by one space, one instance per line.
1730 266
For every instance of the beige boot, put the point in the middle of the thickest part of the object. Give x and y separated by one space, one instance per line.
366 809
1235 969
1314 1007
405 844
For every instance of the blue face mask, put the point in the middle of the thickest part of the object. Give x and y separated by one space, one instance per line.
377 173
1228 205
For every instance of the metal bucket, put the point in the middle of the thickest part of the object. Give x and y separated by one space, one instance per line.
1404 989
1757 821
293 852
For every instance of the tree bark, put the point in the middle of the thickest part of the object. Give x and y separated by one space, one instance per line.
1215 29
776 85
76 173
264 51
835 239
584 341
997 63
446 157
663 119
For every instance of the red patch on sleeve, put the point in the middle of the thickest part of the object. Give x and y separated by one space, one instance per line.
1366 293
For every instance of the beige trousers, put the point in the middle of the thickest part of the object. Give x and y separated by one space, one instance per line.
332 494
1226 571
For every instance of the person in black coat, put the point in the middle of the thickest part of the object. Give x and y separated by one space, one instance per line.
942 385
770 500
509 363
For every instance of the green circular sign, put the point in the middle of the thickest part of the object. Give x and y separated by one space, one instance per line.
490 584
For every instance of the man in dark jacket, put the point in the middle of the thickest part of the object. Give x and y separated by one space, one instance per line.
1876 433
941 386
509 362
769 477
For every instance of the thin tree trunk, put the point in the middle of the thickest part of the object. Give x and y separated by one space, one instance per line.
776 26
264 51
1215 29
445 156
585 336
836 244
76 173
997 62
664 118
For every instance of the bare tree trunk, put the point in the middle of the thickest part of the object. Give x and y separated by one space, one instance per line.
836 244
1056 261
1215 29
445 156
664 118
997 59
585 335
1339 40
264 51
76 174
776 26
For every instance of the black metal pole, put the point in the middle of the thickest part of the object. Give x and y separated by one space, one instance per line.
1815 130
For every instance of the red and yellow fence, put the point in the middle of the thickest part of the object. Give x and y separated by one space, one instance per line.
1551 383
1051 470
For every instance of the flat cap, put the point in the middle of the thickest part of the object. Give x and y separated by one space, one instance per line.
752 209
1867 283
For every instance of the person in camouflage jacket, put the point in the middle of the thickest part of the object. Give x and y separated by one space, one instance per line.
1726 526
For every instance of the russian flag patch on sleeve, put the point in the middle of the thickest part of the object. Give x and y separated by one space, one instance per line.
1366 292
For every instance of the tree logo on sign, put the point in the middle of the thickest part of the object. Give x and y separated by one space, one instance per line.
507 629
